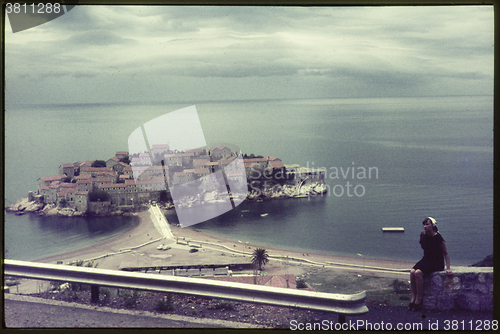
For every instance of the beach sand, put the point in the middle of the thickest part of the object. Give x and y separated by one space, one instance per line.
138 248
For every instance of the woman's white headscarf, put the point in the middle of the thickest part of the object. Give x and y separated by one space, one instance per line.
433 221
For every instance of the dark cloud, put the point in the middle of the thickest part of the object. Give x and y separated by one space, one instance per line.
222 51
98 37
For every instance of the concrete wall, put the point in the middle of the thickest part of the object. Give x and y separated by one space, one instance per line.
469 288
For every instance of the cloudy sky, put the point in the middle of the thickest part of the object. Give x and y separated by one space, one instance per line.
97 54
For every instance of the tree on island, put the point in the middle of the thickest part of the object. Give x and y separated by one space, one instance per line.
260 258
251 156
99 163
125 159
98 196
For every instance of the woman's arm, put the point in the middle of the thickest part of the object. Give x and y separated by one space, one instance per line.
446 258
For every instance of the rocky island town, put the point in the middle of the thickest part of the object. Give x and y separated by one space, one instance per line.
127 184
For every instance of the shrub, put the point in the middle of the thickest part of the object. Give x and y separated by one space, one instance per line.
164 305
224 304
130 302
301 284
400 286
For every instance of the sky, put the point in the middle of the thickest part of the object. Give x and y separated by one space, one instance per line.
108 54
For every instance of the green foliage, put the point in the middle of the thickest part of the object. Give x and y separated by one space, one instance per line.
99 163
251 156
165 304
301 284
225 304
400 286
165 196
98 195
132 300
106 293
125 159
260 258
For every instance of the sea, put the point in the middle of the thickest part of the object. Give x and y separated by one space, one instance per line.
428 156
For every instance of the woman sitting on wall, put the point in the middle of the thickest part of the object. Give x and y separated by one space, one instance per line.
434 252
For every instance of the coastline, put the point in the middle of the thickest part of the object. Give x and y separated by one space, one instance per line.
138 248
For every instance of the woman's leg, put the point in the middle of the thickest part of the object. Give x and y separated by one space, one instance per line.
413 286
419 283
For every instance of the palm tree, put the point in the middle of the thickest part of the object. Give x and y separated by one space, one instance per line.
260 257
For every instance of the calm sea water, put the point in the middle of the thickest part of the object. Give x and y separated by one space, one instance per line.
434 157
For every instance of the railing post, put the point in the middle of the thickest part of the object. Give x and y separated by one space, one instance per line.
94 294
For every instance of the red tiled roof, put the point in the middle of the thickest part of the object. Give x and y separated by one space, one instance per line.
227 161
96 169
114 159
201 171
87 181
105 173
194 150
67 165
54 178
220 148
83 177
65 191
276 164
54 184
200 162
82 193
160 146
68 185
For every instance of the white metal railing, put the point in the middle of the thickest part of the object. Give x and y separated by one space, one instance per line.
341 304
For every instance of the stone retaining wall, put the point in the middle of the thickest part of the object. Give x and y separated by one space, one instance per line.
469 288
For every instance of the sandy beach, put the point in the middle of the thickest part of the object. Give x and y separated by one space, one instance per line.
138 248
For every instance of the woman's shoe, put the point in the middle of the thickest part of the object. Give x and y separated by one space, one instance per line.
411 306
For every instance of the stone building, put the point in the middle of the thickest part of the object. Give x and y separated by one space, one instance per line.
67 169
45 181
222 152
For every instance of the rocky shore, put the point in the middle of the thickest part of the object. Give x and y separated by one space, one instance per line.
39 208
24 205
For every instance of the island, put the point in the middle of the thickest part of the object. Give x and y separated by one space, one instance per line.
127 184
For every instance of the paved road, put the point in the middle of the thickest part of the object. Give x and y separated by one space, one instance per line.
29 312
160 222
